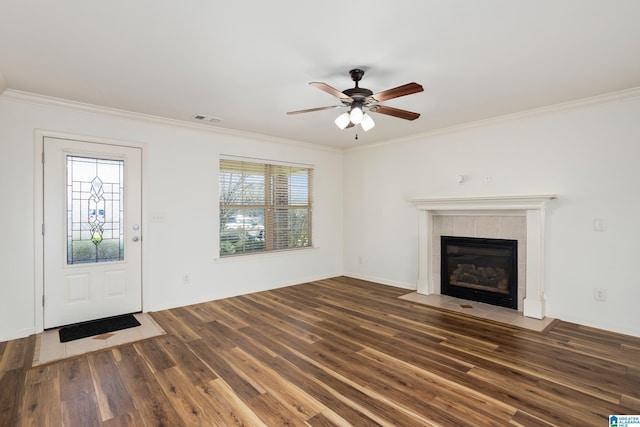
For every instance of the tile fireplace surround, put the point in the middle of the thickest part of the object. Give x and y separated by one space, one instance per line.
522 218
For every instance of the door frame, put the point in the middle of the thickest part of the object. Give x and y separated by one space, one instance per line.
38 202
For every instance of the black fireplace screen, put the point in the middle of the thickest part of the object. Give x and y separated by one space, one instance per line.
479 269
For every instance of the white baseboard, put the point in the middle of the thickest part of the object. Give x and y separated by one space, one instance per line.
201 299
403 285
14 335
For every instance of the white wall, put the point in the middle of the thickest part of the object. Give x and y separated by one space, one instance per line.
180 180
589 156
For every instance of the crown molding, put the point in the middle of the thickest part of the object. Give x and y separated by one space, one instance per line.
49 101
618 96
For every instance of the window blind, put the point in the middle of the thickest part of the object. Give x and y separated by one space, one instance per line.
264 206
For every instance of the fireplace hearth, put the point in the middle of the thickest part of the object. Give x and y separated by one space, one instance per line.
479 269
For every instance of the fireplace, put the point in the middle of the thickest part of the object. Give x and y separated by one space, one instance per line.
530 208
480 269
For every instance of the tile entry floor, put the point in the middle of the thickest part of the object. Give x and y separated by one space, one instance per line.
479 309
49 348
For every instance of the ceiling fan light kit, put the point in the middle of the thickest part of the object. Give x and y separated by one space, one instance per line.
343 120
367 122
358 99
356 115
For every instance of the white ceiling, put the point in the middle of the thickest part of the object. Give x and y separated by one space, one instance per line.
249 62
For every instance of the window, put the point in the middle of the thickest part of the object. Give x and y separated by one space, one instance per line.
264 206
95 203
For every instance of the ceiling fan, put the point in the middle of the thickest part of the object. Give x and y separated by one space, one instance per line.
358 99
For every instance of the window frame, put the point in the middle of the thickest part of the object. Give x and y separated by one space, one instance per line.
281 204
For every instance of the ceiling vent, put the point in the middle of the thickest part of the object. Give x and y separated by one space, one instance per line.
209 119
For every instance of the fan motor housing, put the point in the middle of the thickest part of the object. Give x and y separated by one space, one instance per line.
358 92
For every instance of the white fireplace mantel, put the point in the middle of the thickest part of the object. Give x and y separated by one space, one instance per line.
533 207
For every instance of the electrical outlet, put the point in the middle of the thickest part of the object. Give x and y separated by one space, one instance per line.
600 294
186 279
487 179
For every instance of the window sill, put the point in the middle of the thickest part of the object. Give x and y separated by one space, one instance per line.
263 255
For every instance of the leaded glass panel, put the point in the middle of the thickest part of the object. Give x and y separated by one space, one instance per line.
95 210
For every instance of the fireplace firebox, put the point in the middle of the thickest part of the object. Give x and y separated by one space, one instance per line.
479 269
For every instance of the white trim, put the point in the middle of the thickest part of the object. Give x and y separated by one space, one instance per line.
48 101
87 138
31 98
382 281
533 206
252 256
505 118
483 203
190 300
38 202
264 161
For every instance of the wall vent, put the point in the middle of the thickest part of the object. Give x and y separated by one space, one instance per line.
209 119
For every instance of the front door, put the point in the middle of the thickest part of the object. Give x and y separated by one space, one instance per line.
92 231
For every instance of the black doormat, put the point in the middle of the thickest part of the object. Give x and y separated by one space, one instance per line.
97 327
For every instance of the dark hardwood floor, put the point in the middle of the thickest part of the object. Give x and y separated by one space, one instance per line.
335 352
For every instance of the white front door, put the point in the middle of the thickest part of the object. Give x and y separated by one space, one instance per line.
92 231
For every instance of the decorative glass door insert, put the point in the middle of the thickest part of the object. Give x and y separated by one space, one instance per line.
95 210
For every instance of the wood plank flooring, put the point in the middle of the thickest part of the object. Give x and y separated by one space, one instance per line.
336 352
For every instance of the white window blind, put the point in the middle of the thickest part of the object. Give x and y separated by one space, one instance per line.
264 206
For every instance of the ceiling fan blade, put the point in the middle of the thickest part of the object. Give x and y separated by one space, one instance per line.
396 92
395 112
309 110
330 90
